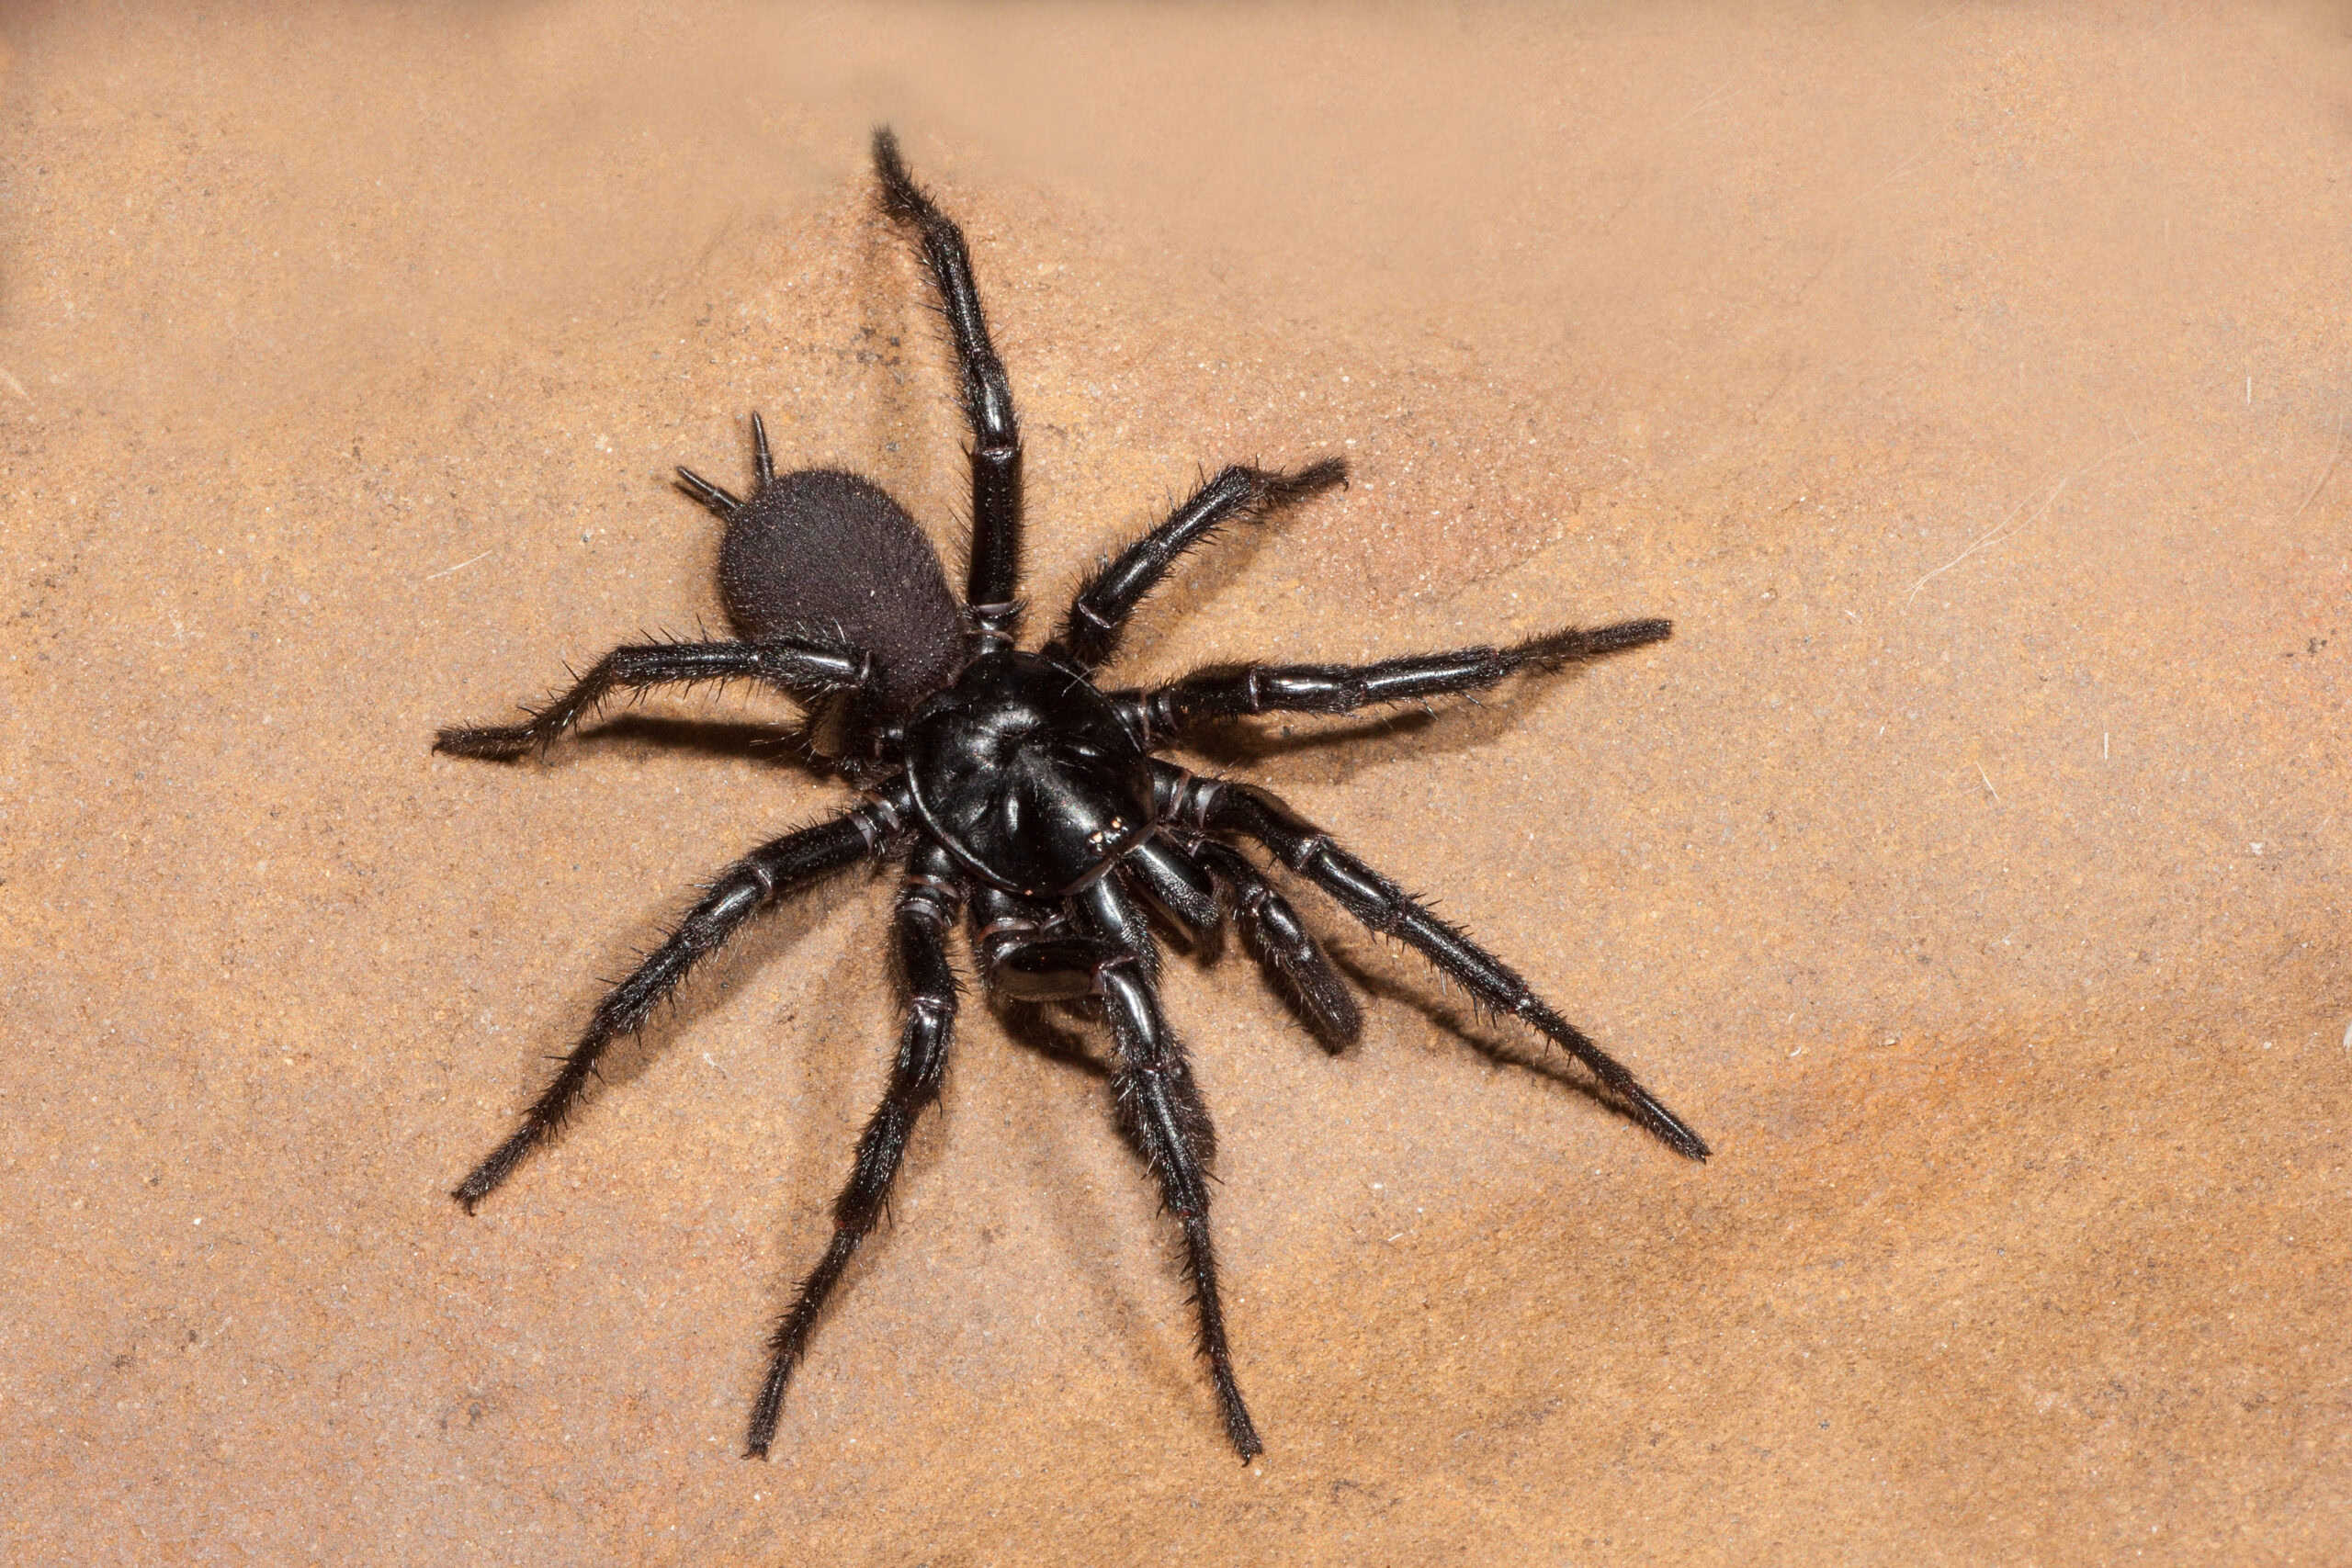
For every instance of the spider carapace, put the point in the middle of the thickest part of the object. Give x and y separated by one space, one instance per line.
1026 802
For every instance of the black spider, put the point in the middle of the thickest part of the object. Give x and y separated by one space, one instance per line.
1014 788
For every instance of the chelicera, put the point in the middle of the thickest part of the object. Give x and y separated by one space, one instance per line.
1025 801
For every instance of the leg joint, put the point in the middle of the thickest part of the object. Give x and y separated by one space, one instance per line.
1302 853
762 875
878 820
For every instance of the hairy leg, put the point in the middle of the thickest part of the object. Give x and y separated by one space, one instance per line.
926 912
769 872
806 668
1098 615
1164 715
1162 1113
995 580
1389 909
1291 957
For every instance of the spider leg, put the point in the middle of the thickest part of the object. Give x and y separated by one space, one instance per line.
995 578
1031 955
1291 957
1160 717
770 872
927 911
1389 909
1091 632
806 667
1161 1112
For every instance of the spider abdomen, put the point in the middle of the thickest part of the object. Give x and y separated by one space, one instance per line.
1028 775
824 550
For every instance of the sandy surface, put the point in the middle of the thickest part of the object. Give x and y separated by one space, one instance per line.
1969 384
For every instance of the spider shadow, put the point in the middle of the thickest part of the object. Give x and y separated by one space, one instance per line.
769 939
1058 1039
1073 1036
1071 1041
775 745
1145 1328
1483 1032
904 355
1338 751
1207 572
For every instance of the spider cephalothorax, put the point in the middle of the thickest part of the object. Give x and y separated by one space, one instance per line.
1021 796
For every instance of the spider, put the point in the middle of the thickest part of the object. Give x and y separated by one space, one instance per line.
1024 800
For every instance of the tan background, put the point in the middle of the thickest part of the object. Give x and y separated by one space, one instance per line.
1970 385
